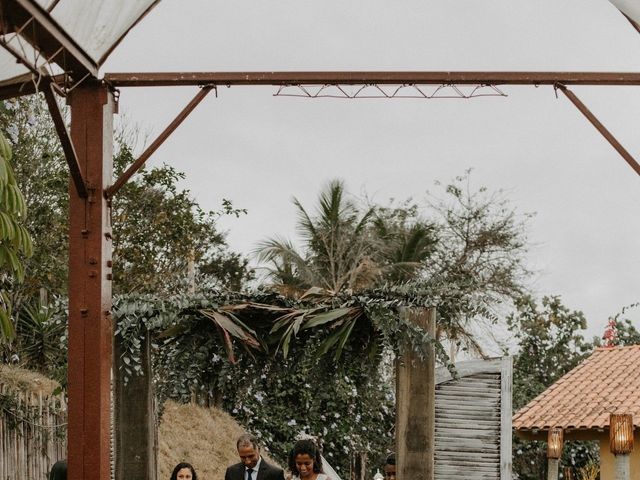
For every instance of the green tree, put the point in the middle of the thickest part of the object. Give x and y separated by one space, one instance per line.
549 344
158 230
42 174
405 241
158 227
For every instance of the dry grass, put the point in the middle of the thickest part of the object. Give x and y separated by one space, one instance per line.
27 381
204 437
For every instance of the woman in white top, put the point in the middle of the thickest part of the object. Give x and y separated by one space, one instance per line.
305 461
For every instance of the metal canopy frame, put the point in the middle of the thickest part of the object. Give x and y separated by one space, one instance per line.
168 79
88 150
558 80
39 28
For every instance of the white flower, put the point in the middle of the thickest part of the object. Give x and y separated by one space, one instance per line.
292 422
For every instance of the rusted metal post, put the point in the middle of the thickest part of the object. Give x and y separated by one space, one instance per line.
90 327
416 405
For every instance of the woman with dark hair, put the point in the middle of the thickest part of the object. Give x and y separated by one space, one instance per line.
184 471
305 461
58 471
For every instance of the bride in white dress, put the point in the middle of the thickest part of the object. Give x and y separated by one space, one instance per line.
307 463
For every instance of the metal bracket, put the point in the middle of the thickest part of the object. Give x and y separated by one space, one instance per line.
600 127
137 165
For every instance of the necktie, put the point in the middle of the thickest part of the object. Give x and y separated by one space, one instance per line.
249 472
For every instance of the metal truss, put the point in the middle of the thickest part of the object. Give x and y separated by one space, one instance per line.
407 90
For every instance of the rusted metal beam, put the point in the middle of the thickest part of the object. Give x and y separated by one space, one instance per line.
90 322
65 141
633 23
47 36
111 191
600 127
25 85
163 79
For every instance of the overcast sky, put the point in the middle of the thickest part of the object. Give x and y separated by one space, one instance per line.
259 150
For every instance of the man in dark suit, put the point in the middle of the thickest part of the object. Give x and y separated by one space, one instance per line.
252 466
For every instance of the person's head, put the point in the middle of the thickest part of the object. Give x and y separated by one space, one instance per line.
58 471
305 459
184 471
248 450
390 467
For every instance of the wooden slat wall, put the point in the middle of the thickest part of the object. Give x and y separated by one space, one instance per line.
28 451
470 422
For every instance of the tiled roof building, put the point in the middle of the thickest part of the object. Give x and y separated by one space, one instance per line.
606 382
581 401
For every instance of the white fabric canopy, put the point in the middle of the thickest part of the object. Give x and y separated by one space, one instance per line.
95 25
631 8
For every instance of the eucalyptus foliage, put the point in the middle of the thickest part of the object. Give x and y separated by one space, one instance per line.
280 366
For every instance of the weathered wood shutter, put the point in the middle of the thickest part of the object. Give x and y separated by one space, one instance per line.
473 421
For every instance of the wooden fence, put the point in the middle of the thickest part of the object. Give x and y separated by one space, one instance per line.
32 434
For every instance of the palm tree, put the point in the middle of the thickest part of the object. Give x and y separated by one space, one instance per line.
345 249
339 249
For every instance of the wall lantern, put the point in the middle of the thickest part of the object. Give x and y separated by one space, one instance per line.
554 443
621 443
621 433
555 437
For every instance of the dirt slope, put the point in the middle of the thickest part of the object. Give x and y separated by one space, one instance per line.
204 437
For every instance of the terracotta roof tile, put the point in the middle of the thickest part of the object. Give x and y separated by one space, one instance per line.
606 382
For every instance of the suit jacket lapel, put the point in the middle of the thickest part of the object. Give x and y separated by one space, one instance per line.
261 470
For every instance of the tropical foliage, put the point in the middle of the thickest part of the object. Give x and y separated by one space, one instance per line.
339 249
15 241
465 249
